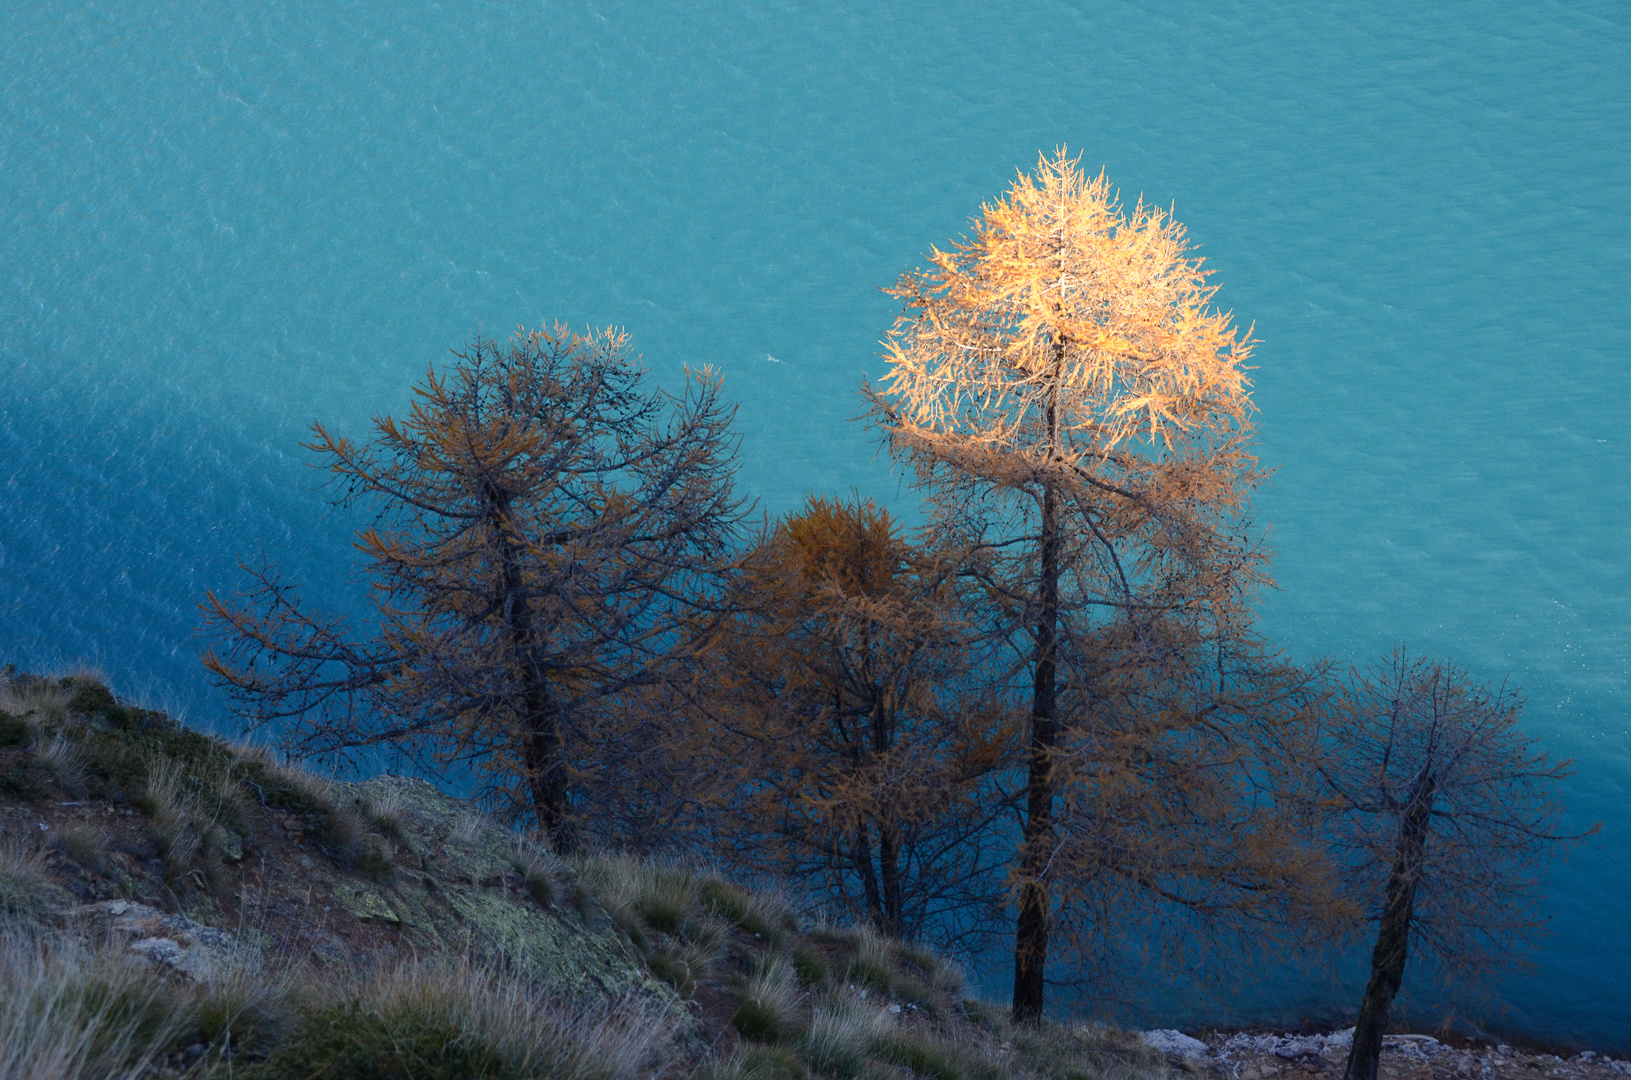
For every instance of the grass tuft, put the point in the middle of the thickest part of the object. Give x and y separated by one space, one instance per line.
755 1061
871 961
26 892
383 809
768 1010
923 1054
450 1021
843 1032
82 844
810 966
64 758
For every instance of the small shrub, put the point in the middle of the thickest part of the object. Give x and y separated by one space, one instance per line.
19 783
15 731
88 696
809 965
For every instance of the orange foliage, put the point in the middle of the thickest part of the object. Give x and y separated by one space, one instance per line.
1080 419
842 748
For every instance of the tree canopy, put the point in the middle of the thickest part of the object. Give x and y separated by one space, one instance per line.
1079 417
548 533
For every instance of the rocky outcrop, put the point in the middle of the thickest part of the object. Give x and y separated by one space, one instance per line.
1246 1056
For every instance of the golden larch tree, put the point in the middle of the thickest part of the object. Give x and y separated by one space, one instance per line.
1079 416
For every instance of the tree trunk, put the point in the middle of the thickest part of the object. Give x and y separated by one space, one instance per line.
889 871
1031 932
540 721
868 876
1393 936
546 770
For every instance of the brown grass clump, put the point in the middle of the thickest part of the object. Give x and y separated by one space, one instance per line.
26 891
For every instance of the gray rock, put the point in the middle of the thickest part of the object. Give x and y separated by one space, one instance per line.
173 942
1171 1041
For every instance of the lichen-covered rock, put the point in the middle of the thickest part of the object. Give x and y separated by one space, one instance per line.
458 882
170 941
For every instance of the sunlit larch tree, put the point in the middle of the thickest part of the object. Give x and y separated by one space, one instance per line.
1079 418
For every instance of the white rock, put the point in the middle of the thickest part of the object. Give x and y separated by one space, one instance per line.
1171 1041
199 952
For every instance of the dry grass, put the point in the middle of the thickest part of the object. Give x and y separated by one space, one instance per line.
383 808
640 893
768 1010
872 961
26 891
84 844
43 702
447 1019
68 1013
64 757
843 1033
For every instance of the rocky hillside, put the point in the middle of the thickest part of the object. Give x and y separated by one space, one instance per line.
172 905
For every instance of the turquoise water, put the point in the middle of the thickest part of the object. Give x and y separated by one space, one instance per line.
223 220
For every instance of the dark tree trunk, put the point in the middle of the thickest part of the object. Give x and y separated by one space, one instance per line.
546 769
1031 931
540 721
868 875
1393 936
889 871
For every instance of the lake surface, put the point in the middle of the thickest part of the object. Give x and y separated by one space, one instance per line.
224 220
